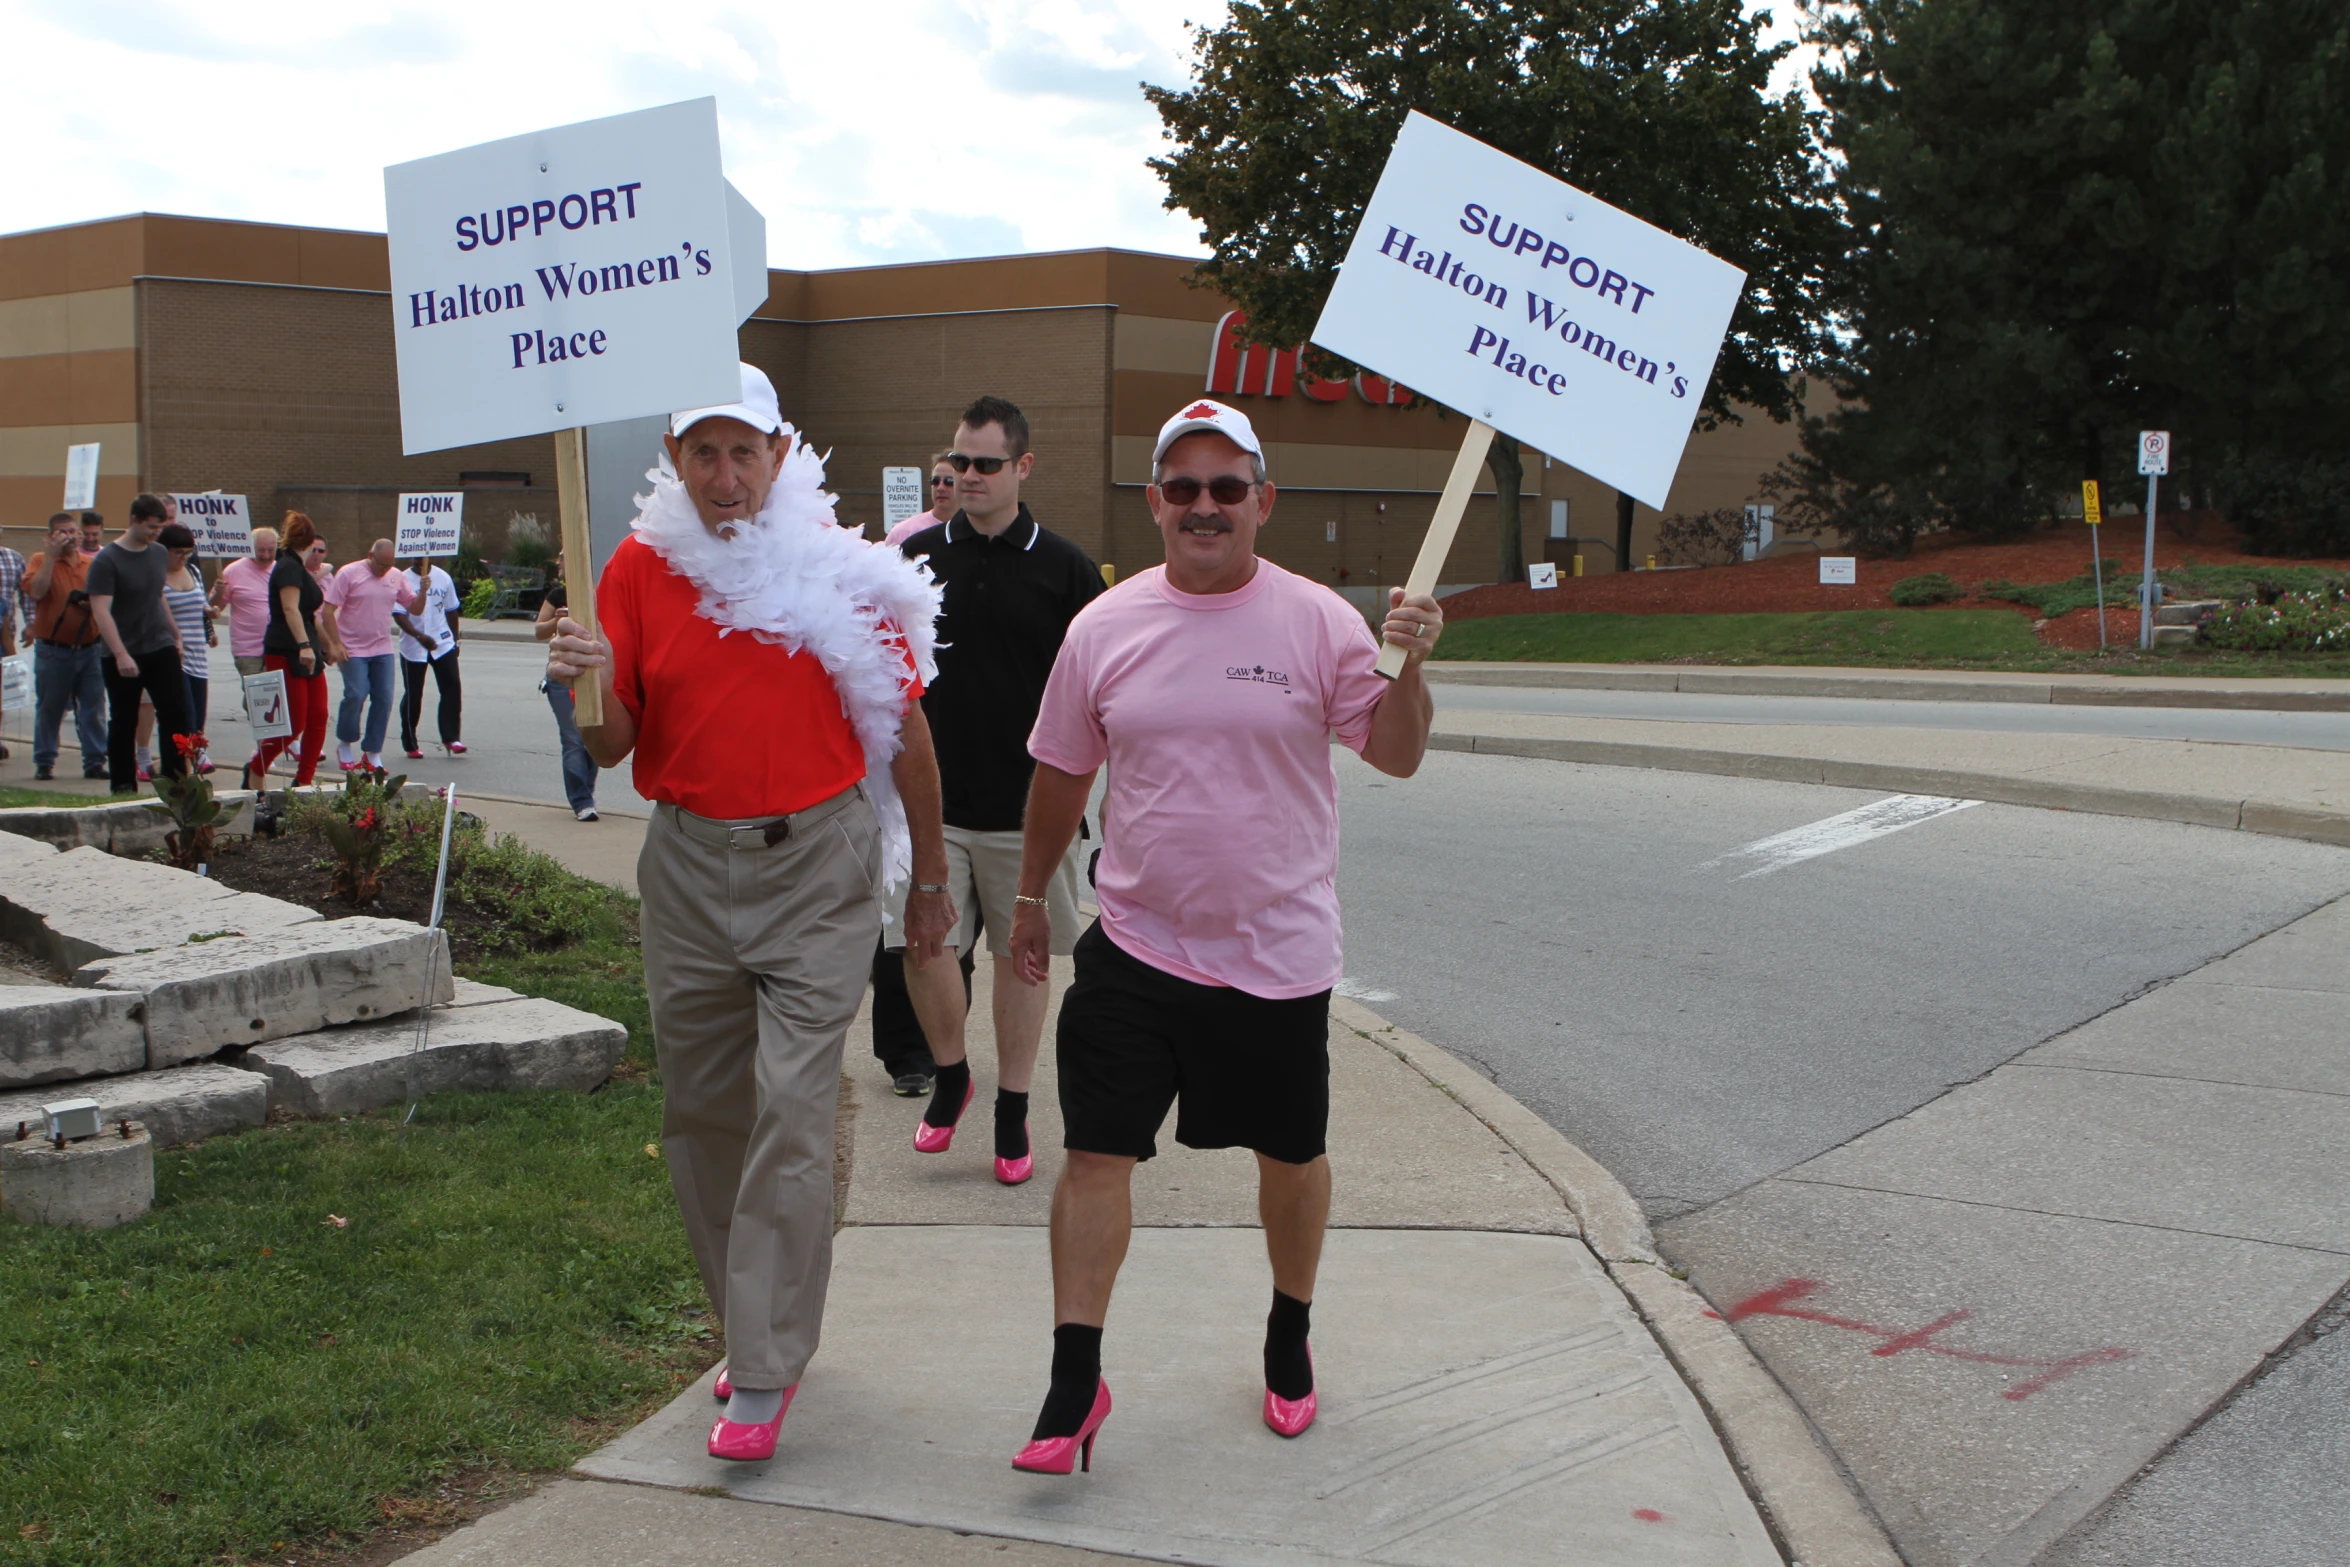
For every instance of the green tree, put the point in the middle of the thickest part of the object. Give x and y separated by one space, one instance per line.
2069 220
1660 107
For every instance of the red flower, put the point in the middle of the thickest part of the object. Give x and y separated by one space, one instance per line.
365 819
189 745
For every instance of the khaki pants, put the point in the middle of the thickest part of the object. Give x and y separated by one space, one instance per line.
755 958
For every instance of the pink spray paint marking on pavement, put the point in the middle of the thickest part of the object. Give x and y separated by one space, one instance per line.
1781 1300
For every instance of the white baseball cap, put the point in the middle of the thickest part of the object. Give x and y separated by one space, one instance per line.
1208 414
758 407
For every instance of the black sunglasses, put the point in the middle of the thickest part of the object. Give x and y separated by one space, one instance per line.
986 465
942 478
1224 489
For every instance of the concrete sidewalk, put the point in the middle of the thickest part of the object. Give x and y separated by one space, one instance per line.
2281 790
2287 694
1491 1392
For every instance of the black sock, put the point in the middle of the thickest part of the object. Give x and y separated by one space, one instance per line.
946 1094
1011 1124
1289 1371
1077 1372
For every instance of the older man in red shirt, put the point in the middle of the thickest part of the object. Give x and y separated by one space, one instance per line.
761 664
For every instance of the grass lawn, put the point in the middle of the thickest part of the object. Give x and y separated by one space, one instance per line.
237 1378
61 798
1997 639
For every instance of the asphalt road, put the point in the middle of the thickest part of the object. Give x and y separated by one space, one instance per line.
2322 731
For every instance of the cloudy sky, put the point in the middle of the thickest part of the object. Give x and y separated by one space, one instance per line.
867 131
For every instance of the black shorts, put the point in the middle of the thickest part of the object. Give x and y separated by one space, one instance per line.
1250 1073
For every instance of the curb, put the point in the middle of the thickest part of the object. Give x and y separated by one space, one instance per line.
1794 1481
1916 686
2271 818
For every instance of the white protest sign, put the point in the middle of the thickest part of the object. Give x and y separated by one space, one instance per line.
746 238
563 278
1839 570
901 495
429 523
2154 452
1512 297
1542 574
81 477
222 524
265 705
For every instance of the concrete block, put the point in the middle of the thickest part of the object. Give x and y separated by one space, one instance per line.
127 827
496 1045
90 1185
245 990
184 1105
18 852
86 904
49 1033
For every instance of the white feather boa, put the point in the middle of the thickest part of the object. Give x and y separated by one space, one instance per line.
795 578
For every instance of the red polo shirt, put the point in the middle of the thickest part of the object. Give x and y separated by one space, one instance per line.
732 728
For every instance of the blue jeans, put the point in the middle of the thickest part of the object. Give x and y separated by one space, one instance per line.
69 677
368 683
579 768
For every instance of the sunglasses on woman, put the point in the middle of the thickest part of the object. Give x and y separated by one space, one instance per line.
1224 489
986 465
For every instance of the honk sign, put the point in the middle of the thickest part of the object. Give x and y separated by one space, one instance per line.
1492 288
429 524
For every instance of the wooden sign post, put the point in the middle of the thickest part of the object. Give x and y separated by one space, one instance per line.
579 562
1441 529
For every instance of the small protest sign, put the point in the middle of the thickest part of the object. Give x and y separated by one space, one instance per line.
1487 285
563 278
222 524
1542 574
81 477
901 495
428 523
1839 570
265 705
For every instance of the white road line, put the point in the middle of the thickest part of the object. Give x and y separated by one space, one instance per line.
1809 842
1356 990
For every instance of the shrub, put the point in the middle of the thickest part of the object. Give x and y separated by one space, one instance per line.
477 598
357 826
2286 505
1932 587
1702 538
2290 623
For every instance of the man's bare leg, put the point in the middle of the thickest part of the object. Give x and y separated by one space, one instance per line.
1293 1201
1093 1218
1019 1025
936 990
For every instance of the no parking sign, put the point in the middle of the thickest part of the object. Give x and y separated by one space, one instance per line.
2154 451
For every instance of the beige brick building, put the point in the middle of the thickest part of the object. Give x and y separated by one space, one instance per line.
257 359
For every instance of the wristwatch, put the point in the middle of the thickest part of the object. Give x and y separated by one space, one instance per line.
925 886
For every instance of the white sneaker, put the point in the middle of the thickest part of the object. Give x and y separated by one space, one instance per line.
587 815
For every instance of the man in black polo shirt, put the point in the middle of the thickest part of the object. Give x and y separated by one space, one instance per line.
1010 590
142 644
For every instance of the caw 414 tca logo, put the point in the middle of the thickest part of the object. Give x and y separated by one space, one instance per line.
1257 674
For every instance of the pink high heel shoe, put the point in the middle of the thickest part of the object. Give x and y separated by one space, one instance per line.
723 1388
1060 1455
1291 1416
1011 1172
750 1444
938 1139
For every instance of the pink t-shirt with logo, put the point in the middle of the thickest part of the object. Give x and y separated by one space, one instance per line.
1220 823
363 605
245 585
911 526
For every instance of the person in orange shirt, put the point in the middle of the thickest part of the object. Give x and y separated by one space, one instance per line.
760 665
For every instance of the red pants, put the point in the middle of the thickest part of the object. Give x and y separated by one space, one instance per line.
306 704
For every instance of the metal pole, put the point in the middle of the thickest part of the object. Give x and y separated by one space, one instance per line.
2097 564
2146 586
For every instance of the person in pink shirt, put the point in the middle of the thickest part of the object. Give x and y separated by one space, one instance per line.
1212 687
942 504
242 590
357 624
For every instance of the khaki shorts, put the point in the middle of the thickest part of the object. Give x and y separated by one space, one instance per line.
983 874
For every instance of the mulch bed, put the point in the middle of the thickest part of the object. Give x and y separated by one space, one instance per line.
1790 583
297 868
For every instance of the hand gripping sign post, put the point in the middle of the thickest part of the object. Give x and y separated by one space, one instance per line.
582 275
1486 285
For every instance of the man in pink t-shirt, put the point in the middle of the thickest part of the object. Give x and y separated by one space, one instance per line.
942 504
1212 687
357 625
243 591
